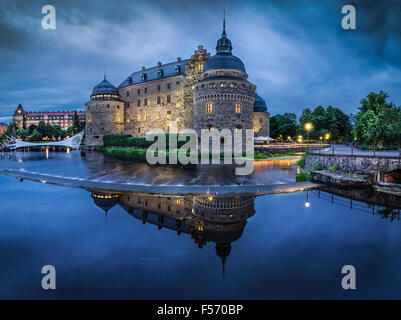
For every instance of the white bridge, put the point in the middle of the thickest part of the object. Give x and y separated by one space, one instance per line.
74 142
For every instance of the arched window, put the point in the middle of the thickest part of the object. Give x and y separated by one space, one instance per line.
209 108
210 127
238 127
238 108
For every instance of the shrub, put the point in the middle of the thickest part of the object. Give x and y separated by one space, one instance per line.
334 168
301 163
303 176
317 165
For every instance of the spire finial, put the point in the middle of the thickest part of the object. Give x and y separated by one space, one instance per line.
224 23
104 67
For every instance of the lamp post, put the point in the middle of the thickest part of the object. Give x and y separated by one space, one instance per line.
308 127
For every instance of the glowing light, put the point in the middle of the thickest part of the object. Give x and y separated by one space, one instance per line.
307 204
327 137
308 126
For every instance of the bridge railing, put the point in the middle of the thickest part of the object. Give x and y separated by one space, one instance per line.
352 150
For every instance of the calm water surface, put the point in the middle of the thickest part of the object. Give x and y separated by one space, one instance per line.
271 246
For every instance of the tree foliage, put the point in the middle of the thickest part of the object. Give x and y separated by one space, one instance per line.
378 121
283 126
330 121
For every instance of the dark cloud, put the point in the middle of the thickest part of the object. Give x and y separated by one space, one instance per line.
295 51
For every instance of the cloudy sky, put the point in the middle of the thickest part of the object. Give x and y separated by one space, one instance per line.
295 52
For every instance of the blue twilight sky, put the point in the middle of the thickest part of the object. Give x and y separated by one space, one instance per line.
295 52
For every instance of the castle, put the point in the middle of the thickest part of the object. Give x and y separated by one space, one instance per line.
203 92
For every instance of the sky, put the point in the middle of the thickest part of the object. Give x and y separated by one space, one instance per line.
295 52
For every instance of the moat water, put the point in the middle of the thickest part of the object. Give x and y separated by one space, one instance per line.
161 246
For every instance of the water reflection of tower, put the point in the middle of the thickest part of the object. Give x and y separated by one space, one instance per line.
222 220
217 218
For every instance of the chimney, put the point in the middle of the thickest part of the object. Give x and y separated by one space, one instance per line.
179 59
143 68
159 64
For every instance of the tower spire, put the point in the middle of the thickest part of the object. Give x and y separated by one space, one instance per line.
104 67
224 24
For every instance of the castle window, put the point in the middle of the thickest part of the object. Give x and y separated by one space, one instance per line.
138 103
238 108
177 82
139 130
118 107
160 73
143 76
177 93
168 99
129 80
209 108
260 120
145 102
158 100
238 127
139 91
127 93
139 117
210 127
146 90
145 118
178 105
168 85
108 106
200 67
168 112
158 87
177 69
202 86
223 84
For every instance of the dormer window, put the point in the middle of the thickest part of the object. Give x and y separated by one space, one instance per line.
177 69
160 73
129 80
143 76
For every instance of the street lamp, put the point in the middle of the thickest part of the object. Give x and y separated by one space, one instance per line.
308 127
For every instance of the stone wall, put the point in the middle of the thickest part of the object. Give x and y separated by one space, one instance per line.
358 164
103 118
261 124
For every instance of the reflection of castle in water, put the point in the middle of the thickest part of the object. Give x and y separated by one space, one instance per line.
206 218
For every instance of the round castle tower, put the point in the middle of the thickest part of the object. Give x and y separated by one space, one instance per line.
104 113
261 118
223 97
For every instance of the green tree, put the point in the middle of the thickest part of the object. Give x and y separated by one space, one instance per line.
378 122
23 122
283 125
76 124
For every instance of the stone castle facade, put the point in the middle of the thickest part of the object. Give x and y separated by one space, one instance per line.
202 92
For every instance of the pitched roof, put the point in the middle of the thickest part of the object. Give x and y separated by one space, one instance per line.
168 70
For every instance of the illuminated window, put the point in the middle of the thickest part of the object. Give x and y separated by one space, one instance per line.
178 105
210 127
200 67
209 108
177 93
238 108
139 117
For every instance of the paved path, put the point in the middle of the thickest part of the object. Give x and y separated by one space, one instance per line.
340 149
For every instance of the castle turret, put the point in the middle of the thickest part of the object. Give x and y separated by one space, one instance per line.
223 97
261 118
104 113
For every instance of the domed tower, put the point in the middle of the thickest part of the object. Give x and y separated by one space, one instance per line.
104 113
261 118
223 97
